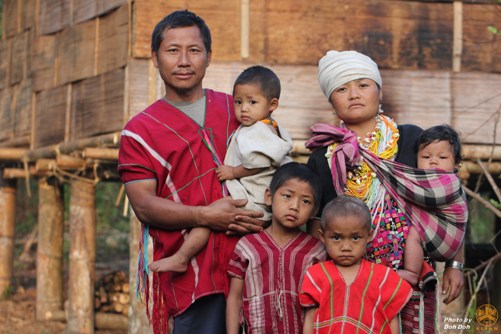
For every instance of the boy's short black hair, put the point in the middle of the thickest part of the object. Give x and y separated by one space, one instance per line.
296 170
180 19
441 133
343 206
263 77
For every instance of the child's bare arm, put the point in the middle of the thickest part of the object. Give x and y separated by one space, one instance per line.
395 325
230 173
308 320
234 305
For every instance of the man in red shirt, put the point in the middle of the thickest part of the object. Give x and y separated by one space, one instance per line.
167 161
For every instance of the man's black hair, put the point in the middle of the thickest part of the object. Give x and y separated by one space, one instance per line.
180 19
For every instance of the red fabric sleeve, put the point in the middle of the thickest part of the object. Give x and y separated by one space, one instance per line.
238 264
133 161
309 295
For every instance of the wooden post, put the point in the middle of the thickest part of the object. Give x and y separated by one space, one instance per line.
49 302
82 258
138 323
7 215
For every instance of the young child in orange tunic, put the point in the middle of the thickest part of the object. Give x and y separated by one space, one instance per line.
348 294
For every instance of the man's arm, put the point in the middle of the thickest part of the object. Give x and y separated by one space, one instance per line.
223 215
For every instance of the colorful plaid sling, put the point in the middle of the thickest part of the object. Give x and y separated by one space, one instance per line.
433 201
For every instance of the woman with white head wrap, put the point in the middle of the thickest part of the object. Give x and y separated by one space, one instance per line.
352 83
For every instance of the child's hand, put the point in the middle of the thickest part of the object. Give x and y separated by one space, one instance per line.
225 173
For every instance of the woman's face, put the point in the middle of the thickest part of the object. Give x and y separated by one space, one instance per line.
357 101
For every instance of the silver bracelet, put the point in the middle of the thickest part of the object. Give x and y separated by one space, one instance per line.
454 264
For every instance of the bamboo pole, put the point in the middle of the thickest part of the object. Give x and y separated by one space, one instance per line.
50 152
457 35
17 173
111 321
49 299
7 216
482 152
100 153
12 154
16 142
82 258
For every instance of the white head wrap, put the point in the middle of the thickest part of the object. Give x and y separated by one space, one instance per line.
339 67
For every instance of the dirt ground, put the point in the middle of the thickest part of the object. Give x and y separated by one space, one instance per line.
18 308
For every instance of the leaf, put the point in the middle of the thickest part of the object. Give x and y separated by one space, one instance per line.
493 30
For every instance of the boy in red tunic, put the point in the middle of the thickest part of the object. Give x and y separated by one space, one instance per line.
166 162
348 294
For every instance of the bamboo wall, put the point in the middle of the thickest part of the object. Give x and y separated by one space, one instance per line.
72 69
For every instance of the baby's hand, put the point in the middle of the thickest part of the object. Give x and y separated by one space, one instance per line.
224 173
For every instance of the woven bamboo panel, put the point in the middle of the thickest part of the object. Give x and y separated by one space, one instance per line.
22 109
19 57
29 18
477 106
43 62
54 15
223 18
4 63
84 10
106 6
397 34
6 114
97 105
76 52
138 90
146 15
50 116
479 45
113 40
417 97
11 17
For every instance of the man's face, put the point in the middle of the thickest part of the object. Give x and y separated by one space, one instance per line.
182 60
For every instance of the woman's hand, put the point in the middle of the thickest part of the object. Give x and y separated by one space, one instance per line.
452 285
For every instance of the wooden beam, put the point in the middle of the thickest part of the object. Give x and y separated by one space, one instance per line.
49 301
100 153
12 154
18 173
7 215
16 142
82 258
70 147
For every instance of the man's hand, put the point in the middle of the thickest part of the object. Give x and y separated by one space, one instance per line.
226 214
225 173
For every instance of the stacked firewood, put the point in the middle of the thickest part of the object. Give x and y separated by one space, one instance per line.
112 293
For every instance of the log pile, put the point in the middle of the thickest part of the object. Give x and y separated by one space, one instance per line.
112 293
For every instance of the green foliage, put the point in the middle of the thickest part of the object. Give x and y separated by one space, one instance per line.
481 221
494 30
111 227
8 291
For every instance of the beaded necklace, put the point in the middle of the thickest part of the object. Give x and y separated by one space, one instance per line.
382 141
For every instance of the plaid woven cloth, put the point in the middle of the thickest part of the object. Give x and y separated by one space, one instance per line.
432 200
